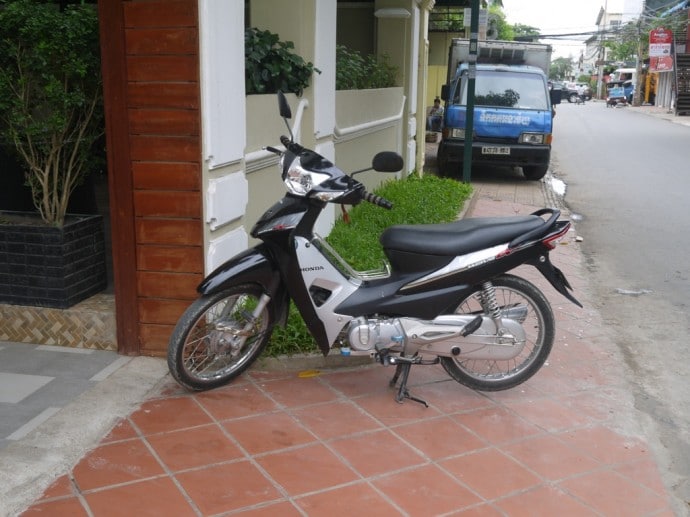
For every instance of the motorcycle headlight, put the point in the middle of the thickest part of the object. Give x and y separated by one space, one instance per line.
300 181
531 138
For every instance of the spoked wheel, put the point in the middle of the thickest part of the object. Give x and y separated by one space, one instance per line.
218 337
521 301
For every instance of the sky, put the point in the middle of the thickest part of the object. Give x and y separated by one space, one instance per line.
553 17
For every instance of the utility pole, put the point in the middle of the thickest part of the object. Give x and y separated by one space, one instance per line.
602 54
637 96
471 79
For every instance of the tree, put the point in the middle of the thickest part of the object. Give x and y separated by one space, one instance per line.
624 47
561 67
523 31
504 30
50 97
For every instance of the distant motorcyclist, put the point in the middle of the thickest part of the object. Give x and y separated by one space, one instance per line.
581 92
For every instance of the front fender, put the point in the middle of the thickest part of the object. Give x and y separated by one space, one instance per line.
252 266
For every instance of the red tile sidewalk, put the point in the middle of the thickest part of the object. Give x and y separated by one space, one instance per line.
278 443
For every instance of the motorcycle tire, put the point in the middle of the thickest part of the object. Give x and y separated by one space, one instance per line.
203 352
539 325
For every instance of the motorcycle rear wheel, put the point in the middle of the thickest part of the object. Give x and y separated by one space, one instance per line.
539 326
204 352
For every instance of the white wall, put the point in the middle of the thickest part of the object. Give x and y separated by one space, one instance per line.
239 179
226 194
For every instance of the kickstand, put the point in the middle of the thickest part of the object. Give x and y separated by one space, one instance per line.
396 376
403 392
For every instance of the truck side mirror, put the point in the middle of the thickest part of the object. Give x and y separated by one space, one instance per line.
444 92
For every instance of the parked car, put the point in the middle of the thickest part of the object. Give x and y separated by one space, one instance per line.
568 93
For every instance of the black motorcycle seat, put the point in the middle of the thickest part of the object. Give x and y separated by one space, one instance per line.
458 237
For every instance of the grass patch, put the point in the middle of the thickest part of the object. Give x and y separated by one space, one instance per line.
425 200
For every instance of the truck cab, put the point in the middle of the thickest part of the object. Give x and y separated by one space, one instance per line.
513 118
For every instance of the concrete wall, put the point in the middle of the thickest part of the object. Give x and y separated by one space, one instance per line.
239 179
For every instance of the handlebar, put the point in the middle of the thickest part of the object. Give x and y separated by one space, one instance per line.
291 146
377 200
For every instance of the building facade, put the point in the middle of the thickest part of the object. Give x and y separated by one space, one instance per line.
187 173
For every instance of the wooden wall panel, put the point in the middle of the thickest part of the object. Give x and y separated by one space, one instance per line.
161 13
164 148
163 95
166 175
114 68
162 68
169 231
159 57
161 312
163 122
154 203
170 286
161 41
154 338
168 258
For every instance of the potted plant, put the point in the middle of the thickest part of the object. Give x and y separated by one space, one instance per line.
51 117
271 64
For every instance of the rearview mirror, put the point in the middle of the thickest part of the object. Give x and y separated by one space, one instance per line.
556 95
283 106
387 161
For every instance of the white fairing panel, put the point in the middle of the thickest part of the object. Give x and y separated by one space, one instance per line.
318 271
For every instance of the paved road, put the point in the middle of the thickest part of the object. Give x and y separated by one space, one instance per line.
627 177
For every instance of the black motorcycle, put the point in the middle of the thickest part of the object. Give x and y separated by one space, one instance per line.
446 295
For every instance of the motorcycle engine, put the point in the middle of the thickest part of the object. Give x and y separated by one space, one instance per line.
365 334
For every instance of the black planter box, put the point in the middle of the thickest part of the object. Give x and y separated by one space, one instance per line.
44 266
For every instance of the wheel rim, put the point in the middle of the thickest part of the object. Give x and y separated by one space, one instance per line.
218 343
515 302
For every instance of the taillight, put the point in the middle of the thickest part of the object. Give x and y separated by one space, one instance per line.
553 239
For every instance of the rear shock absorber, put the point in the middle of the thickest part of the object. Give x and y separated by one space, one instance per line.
488 298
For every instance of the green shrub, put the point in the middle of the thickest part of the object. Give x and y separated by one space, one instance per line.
428 199
355 72
270 64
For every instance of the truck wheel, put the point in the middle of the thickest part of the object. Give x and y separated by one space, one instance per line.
535 172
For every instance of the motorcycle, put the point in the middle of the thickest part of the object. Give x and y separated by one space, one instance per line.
445 296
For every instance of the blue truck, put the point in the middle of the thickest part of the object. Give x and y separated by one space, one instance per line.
513 111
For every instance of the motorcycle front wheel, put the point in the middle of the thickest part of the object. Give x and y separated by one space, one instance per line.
516 296
218 337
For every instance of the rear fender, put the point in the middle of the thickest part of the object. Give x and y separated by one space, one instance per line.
555 276
252 266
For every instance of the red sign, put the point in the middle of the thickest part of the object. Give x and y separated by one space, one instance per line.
660 35
660 64
660 42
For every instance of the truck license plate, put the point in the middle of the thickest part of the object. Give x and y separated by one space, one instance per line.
493 149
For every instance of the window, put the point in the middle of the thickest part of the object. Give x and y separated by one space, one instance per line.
507 90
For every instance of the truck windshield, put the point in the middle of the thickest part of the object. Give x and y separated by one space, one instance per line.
506 89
